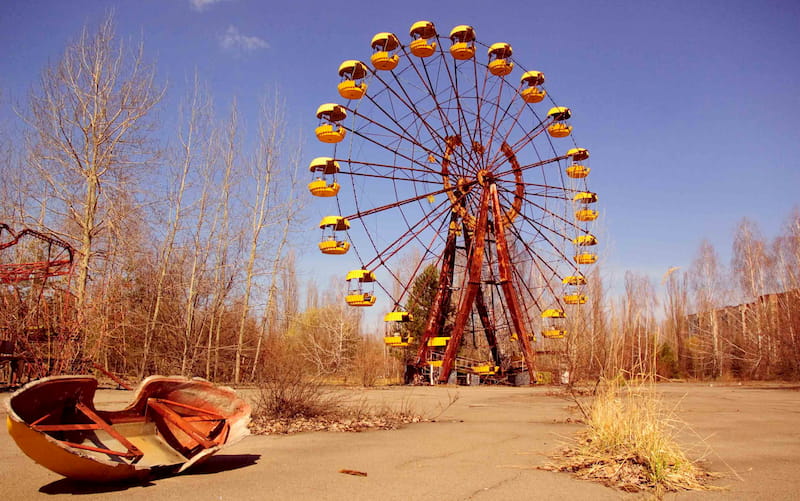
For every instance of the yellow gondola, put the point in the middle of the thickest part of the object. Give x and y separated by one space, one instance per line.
463 38
573 284
578 154
438 341
393 336
575 298
422 32
585 197
398 316
585 240
559 127
586 214
515 337
499 65
356 295
384 57
553 313
487 369
574 280
585 258
554 319
324 167
531 92
352 85
329 130
330 243
578 169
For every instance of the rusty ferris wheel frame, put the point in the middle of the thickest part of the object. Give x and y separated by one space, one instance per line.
454 156
38 322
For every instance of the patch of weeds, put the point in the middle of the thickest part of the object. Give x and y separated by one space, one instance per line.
630 444
290 401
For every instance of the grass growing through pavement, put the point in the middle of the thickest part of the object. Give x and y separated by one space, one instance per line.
630 444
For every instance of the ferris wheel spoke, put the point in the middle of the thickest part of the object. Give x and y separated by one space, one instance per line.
536 227
394 151
513 122
388 146
407 100
461 120
435 135
392 178
529 137
444 118
479 104
558 217
528 288
541 275
547 211
391 250
557 250
563 190
495 131
414 231
533 165
548 285
407 285
361 214
431 89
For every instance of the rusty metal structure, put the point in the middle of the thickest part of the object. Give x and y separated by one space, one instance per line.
39 331
439 149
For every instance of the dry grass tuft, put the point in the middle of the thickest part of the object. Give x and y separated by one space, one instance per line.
630 444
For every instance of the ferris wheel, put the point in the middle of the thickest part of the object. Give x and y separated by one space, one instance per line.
451 148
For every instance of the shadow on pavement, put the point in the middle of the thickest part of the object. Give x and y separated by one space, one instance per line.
214 464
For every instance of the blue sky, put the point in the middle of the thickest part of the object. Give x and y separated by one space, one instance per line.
691 109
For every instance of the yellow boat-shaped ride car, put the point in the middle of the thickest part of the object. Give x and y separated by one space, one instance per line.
171 424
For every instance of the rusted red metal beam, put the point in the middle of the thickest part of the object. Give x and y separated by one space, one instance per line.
133 451
112 376
507 283
201 413
488 326
176 419
436 316
475 264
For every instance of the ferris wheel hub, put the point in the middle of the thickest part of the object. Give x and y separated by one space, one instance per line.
464 185
485 177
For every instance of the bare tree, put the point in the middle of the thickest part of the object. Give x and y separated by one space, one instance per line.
706 280
786 249
639 326
751 265
224 268
328 337
90 134
15 186
262 211
676 311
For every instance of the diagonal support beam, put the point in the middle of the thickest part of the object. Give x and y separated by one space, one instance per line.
475 265
438 312
488 327
507 283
